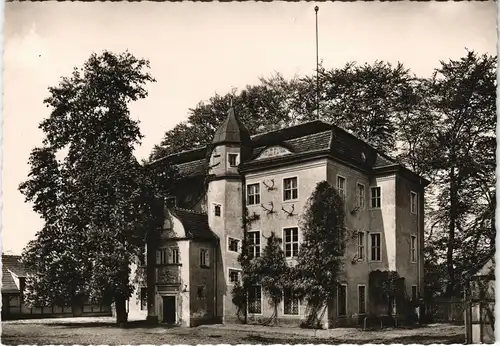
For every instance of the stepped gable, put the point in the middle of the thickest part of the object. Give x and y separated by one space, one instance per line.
195 224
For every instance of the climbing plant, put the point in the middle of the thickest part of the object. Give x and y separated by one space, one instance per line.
272 272
385 287
320 259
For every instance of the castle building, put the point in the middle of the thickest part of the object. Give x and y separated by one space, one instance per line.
193 263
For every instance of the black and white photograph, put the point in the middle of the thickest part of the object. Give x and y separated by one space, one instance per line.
248 172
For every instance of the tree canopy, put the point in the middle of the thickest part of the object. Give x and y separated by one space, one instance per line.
96 200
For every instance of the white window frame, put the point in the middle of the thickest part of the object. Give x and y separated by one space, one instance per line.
253 246
229 269
228 243
413 207
379 246
346 300
175 250
413 250
359 305
162 258
291 189
254 195
261 303
361 254
358 199
214 205
236 159
372 197
283 242
283 305
343 192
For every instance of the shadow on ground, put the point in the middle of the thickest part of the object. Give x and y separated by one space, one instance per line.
413 339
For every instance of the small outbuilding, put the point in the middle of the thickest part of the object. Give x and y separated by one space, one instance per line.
480 302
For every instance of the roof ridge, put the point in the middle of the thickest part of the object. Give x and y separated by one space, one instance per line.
190 211
290 127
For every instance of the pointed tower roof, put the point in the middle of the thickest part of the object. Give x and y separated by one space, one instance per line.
231 130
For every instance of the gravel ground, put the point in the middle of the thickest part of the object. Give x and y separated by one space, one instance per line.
103 331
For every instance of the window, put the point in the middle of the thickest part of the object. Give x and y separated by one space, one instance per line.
342 300
201 292
233 160
144 298
255 300
290 189
217 209
413 248
414 294
254 244
290 302
360 195
234 275
375 197
253 194
361 299
413 202
361 245
341 186
375 246
233 244
204 258
174 256
161 256
291 236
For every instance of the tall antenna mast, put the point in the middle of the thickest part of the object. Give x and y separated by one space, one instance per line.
316 9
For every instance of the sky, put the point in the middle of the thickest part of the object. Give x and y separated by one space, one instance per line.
199 49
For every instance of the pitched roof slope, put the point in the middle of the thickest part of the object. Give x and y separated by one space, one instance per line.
195 224
11 264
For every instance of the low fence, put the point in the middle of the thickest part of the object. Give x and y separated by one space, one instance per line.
445 310
23 311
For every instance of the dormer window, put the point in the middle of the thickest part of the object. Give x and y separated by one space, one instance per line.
233 160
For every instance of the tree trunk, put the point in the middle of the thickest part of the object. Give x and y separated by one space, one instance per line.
121 310
450 287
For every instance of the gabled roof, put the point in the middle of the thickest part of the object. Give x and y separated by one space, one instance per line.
474 271
11 265
195 224
307 138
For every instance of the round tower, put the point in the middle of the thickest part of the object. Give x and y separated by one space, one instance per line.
225 200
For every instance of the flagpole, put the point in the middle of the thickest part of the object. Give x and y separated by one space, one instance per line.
316 9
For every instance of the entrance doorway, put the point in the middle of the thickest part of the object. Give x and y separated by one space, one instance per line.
169 309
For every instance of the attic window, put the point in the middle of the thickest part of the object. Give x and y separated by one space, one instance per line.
233 160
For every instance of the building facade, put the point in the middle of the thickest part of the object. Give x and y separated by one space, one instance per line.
15 307
272 175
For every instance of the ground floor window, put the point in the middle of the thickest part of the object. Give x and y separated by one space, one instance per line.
290 302
342 300
255 300
362 299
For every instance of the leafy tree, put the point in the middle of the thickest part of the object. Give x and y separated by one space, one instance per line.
272 272
320 258
362 99
461 156
96 201
385 288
